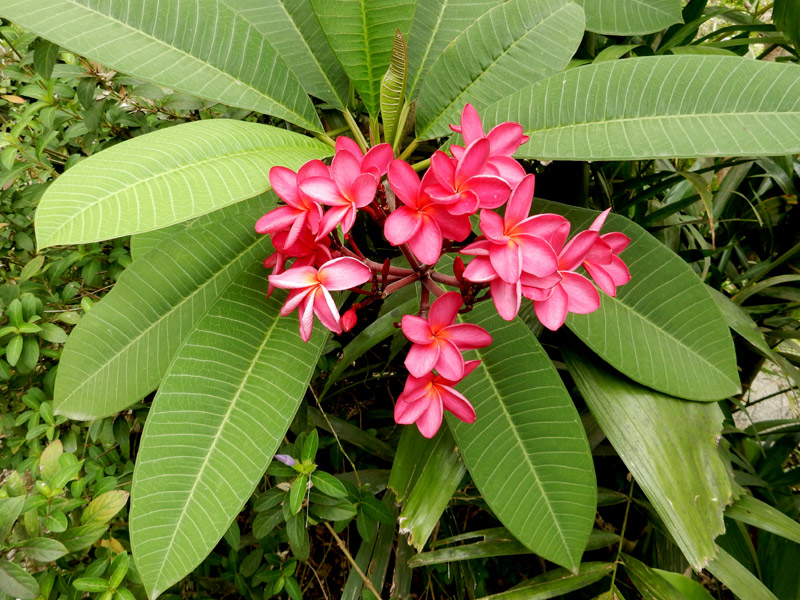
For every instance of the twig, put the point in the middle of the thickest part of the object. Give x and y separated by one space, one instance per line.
352 561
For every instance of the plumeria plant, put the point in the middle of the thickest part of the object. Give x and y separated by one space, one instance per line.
402 219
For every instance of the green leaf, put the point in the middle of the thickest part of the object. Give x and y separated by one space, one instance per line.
691 589
310 446
14 349
556 582
153 306
630 17
297 493
424 476
760 514
42 549
527 447
45 56
52 333
651 585
16 582
681 107
10 509
517 42
142 243
103 508
90 584
670 447
360 33
265 522
675 339
786 16
48 461
738 578
436 24
298 537
166 177
393 87
203 48
293 30
218 418
328 484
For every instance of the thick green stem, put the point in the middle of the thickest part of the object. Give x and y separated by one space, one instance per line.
351 122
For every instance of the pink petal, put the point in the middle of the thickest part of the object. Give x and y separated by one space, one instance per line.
295 278
492 191
456 150
426 243
471 126
348 218
322 190
416 329
616 241
313 168
507 298
507 261
444 310
583 296
466 204
401 225
421 359
429 421
345 167
467 336
441 194
505 138
450 363
538 257
545 225
306 317
519 204
574 253
479 247
600 253
277 219
552 312
598 222
299 225
444 169
618 271
493 227
294 299
507 168
407 412
284 183
405 182
602 278
457 404
332 218
345 144
378 157
453 227
469 367
480 270
343 273
472 162
326 311
364 188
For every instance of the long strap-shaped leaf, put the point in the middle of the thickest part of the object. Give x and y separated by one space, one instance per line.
436 24
663 106
201 47
670 446
518 42
663 329
527 450
166 177
293 30
220 414
120 351
630 17
360 33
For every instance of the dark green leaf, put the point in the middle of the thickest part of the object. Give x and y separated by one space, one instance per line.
45 55
42 549
16 582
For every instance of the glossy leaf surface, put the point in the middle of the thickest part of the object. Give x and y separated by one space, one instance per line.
663 329
670 447
166 177
652 107
630 17
738 578
527 452
360 33
517 42
201 47
153 306
220 414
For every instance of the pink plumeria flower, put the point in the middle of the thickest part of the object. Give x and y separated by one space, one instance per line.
311 290
424 400
504 140
301 210
603 263
463 185
437 342
345 191
375 161
307 250
420 222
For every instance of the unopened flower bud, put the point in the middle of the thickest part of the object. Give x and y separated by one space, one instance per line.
285 459
349 320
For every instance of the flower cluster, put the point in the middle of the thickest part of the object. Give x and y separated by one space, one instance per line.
517 254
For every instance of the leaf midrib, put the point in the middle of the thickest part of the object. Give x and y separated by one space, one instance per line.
194 58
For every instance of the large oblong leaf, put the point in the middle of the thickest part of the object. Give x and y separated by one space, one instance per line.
527 451
220 414
293 30
670 447
120 350
663 329
360 33
663 106
630 17
517 42
436 24
166 177
200 47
